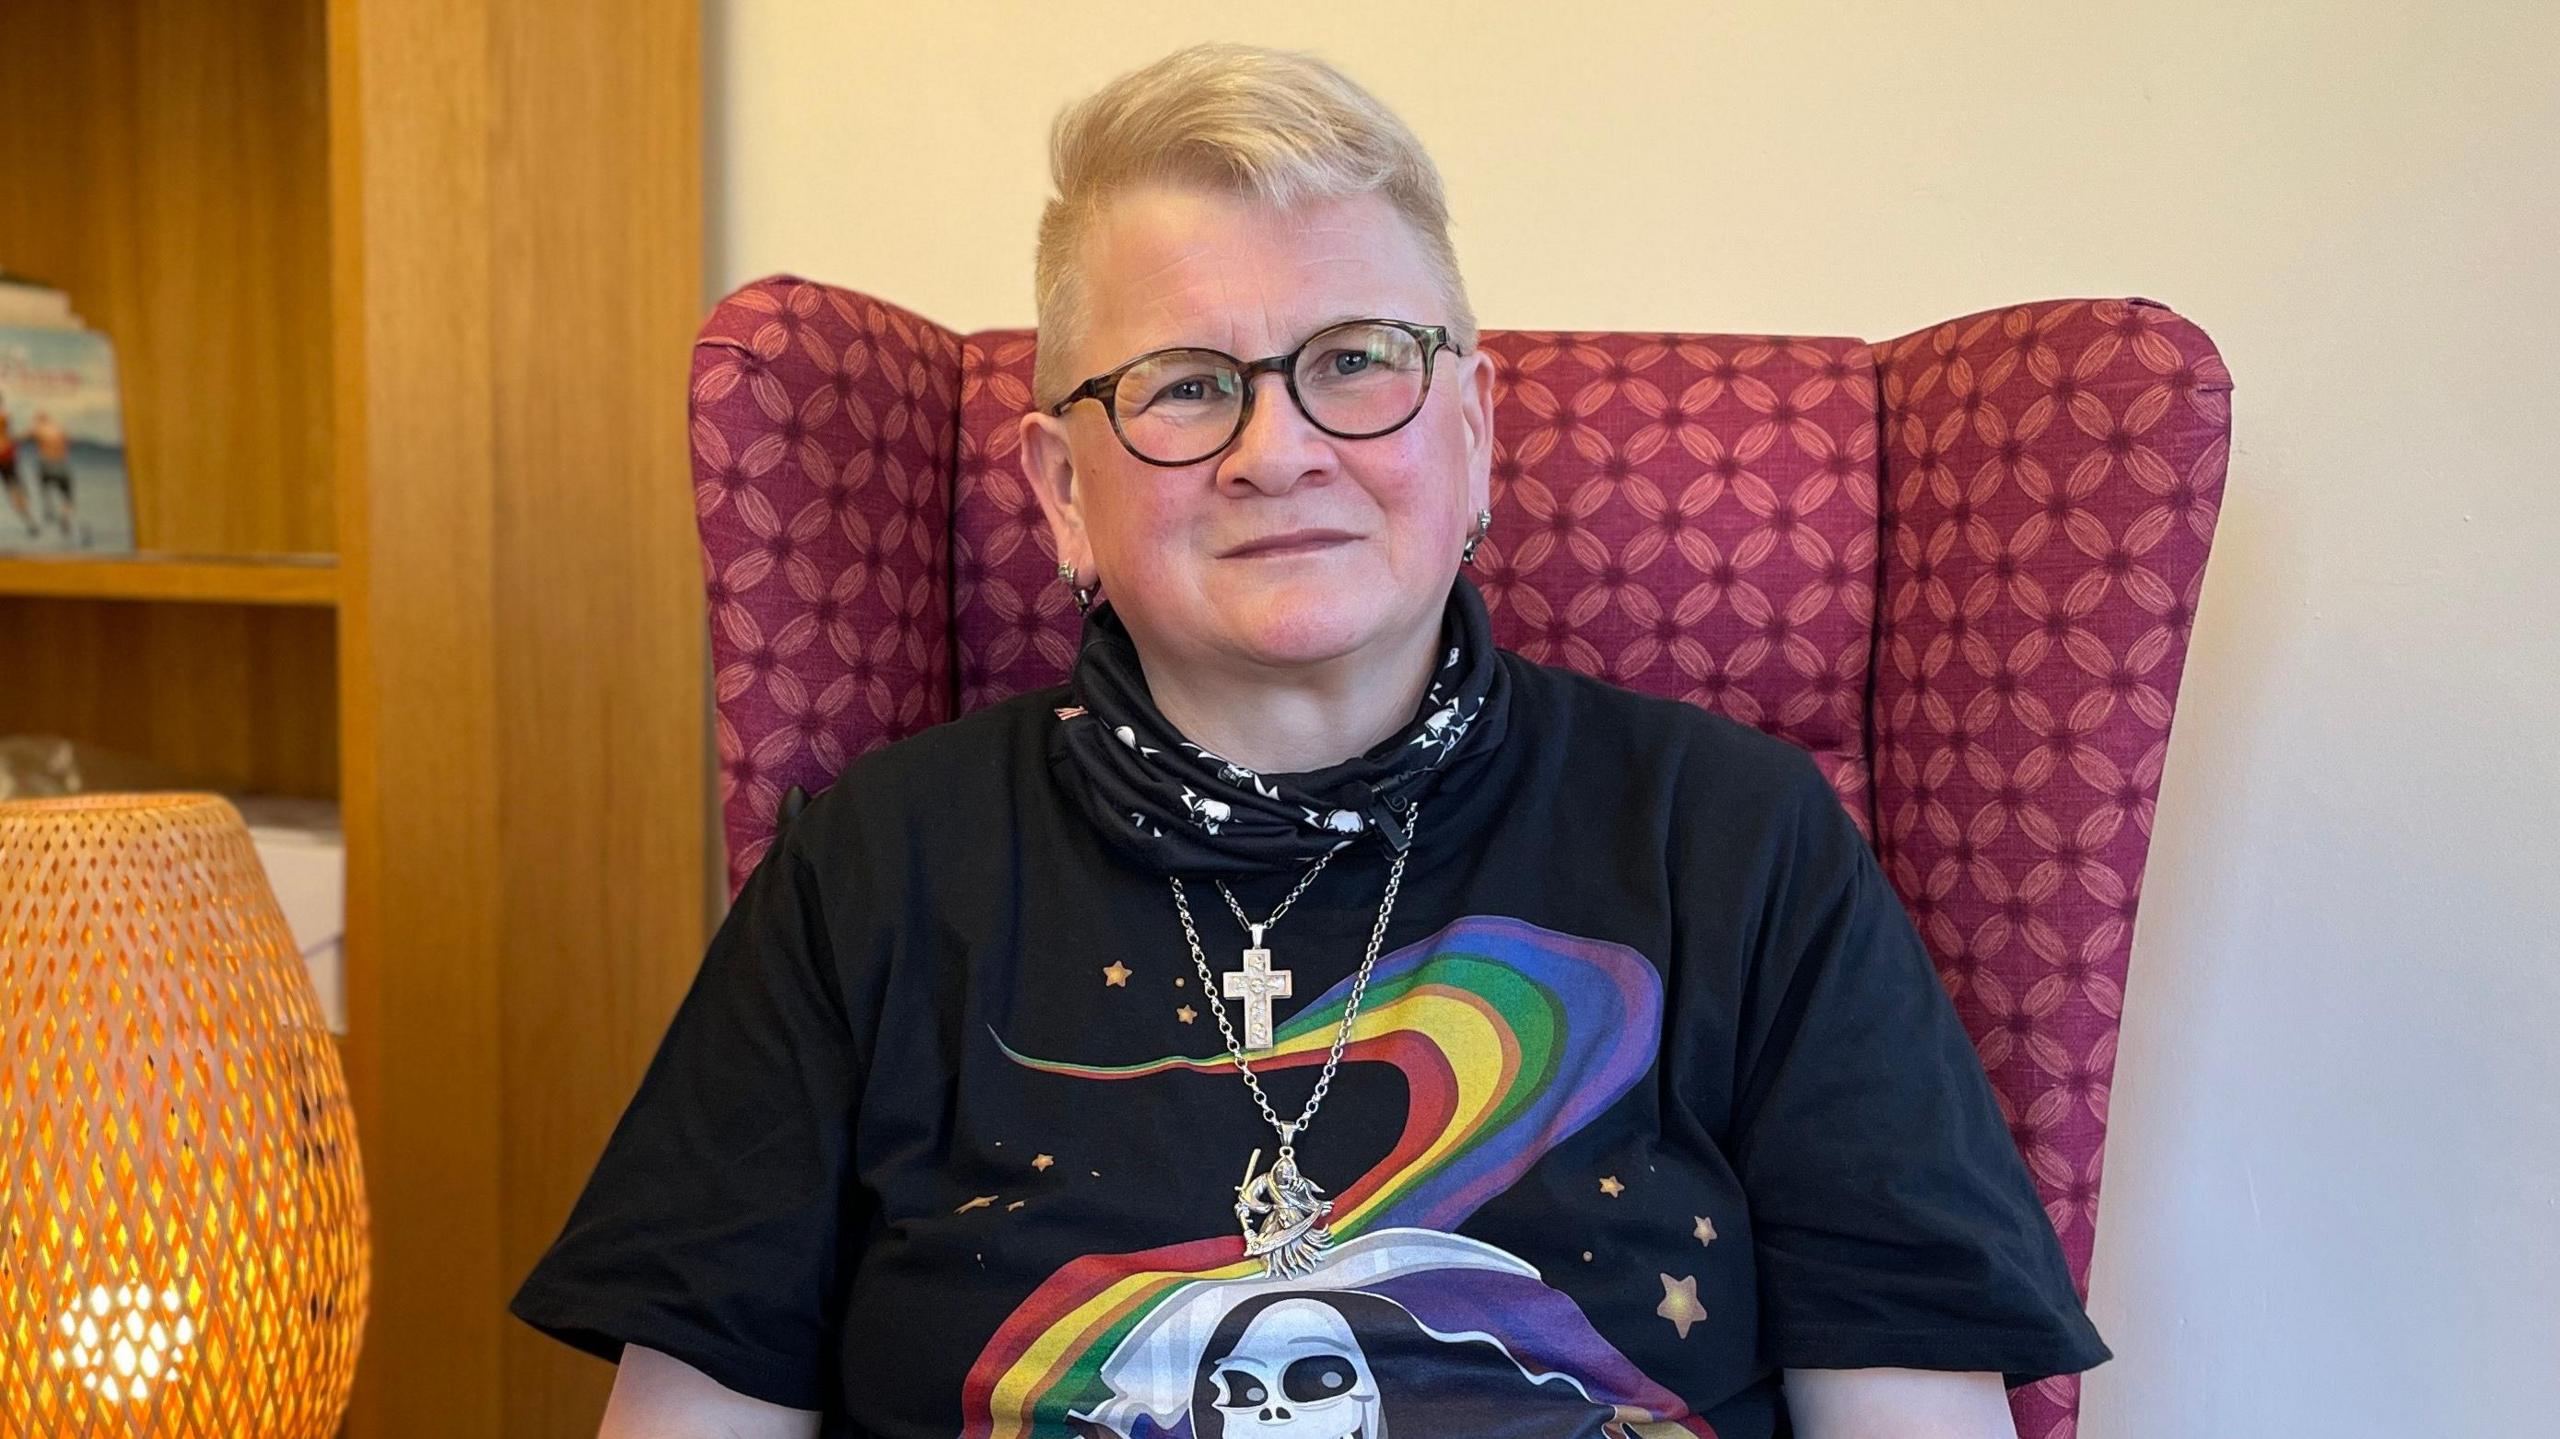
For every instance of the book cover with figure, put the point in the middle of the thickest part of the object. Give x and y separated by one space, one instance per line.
63 487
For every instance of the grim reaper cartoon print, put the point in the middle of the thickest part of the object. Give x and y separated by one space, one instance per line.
1510 1038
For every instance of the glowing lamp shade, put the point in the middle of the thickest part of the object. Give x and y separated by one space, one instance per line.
182 1221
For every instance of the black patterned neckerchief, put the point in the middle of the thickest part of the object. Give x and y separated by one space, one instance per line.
1179 809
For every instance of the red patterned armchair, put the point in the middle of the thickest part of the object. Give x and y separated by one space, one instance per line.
1959 567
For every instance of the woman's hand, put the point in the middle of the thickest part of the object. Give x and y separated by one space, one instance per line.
657 1397
1897 1404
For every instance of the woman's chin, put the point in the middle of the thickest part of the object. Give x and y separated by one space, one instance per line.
1303 625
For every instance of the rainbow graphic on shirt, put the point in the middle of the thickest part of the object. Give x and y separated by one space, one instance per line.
1510 1038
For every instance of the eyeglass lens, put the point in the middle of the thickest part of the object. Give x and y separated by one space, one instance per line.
1354 380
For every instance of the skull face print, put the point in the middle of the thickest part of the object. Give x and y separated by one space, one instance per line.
1313 1363
1443 729
1297 1372
1338 821
1209 813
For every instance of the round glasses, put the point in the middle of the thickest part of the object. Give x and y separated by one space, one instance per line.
1354 381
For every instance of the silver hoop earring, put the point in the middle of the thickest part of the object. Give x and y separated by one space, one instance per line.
1484 526
1084 597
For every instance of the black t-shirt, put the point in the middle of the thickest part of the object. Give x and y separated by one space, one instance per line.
1653 1093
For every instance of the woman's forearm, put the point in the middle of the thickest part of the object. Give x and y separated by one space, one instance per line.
659 1397
1897 1404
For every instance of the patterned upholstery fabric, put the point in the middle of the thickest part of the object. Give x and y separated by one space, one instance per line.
1959 568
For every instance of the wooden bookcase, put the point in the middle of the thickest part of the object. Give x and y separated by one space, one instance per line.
402 293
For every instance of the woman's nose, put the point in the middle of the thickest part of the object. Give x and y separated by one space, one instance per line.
1279 445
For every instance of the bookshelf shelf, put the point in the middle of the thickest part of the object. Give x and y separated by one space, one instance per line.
305 580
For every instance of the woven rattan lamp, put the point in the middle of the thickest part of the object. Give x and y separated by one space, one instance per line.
182 1223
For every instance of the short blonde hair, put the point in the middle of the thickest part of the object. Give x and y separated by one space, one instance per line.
1280 127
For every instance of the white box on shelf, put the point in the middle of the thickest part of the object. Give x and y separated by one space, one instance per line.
305 852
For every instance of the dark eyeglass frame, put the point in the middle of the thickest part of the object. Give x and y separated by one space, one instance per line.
1105 387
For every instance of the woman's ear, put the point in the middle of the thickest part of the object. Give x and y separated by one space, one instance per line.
1475 409
1048 464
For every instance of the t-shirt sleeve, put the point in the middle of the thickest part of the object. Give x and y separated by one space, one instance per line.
1894 1219
710 1229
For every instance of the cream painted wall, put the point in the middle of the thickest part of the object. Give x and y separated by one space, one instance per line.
2334 1183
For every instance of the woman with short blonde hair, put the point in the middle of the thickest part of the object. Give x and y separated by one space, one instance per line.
1567 1065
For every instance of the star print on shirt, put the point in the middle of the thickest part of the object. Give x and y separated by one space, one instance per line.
1042 1161
1186 1014
1680 1303
1116 975
1610 1186
1706 1230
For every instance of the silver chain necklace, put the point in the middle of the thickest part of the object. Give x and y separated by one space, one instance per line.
1281 1210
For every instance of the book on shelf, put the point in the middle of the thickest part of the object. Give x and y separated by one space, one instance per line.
63 486
29 305
304 849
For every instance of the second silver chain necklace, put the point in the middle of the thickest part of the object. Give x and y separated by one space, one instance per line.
1281 1210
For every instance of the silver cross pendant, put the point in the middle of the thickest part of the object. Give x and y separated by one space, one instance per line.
1257 984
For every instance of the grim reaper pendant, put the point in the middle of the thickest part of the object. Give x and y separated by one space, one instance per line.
1282 1213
